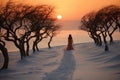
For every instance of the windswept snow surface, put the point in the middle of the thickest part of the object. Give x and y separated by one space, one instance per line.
85 62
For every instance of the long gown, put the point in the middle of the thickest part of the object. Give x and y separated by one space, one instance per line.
70 43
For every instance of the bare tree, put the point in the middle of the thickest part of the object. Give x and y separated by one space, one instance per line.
88 24
104 22
16 24
108 17
39 20
23 22
53 31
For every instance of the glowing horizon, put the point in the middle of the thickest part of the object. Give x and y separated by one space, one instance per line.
72 9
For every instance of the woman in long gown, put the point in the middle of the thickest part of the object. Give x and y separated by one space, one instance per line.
70 43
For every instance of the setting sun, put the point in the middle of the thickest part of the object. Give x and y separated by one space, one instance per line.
59 16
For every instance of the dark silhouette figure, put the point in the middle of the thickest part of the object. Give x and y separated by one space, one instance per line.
70 43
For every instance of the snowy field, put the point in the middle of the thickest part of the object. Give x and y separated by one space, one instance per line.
85 62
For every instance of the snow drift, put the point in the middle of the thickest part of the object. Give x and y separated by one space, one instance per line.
85 62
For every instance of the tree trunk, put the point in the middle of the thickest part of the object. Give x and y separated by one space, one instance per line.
35 47
110 35
95 39
105 41
5 55
22 53
49 46
38 43
27 48
22 50
111 38
100 40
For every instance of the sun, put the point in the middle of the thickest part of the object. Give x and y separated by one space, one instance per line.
59 16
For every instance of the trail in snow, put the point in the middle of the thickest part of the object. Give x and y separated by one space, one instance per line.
65 70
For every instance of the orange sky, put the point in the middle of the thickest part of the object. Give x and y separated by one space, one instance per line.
73 9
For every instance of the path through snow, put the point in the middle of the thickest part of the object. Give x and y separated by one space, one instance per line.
65 70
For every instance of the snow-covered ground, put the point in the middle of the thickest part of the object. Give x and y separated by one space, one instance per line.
85 62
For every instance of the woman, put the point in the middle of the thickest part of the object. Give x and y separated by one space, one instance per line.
70 43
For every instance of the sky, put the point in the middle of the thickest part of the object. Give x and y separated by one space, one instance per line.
72 9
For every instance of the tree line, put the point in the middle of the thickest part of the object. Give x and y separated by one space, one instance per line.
20 23
102 24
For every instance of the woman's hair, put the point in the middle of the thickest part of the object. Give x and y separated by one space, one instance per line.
70 37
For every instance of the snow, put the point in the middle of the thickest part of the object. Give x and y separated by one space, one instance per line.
85 62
